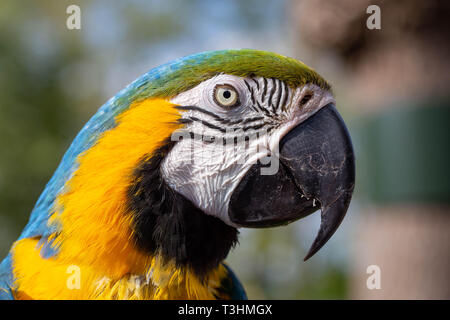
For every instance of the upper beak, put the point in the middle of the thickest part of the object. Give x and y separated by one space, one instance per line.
317 168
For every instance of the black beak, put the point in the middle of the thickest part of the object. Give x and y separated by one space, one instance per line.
317 169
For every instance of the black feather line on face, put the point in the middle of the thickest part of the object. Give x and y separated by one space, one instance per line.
166 222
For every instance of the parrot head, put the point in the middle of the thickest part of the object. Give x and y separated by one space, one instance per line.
261 144
172 166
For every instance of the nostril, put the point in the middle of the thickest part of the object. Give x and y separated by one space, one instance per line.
305 99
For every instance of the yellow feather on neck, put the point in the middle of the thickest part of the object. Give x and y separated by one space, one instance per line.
96 230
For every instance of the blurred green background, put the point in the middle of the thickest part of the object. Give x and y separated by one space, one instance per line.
391 86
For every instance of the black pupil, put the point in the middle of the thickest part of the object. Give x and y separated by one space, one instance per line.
227 94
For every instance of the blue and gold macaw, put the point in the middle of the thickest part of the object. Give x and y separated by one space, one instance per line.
147 201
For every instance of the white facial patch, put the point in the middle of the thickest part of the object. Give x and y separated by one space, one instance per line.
218 144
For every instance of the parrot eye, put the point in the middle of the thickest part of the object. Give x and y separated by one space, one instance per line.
226 96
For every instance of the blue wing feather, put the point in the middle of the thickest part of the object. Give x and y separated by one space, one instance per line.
6 279
233 287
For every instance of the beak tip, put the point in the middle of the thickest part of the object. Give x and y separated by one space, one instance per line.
312 251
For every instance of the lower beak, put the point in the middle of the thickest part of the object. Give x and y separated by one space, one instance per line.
317 169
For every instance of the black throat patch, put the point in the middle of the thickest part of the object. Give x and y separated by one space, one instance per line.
166 222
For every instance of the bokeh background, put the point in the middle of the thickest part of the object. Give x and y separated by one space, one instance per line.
391 85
